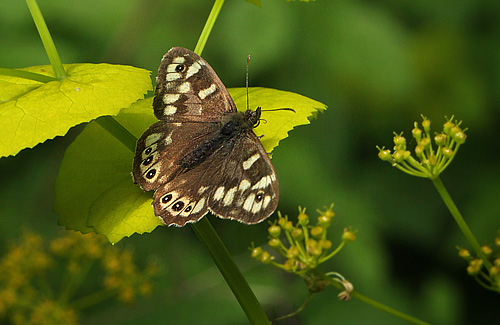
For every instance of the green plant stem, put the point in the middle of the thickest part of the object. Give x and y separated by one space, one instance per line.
460 220
26 75
93 299
47 41
386 309
208 237
230 272
370 301
214 13
117 130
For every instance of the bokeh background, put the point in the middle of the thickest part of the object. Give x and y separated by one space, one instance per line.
378 65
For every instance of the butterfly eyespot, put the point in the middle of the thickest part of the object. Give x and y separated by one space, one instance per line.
259 197
148 151
189 208
147 161
151 174
179 67
166 198
178 206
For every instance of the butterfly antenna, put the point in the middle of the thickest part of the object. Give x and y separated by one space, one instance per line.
248 62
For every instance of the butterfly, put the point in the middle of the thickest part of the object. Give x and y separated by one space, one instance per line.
203 154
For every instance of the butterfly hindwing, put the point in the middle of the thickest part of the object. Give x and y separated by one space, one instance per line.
242 189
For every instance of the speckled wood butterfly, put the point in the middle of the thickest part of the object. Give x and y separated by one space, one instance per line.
203 154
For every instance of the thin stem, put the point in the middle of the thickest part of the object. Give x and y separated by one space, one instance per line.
306 301
370 301
118 131
386 309
241 290
93 299
26 75
47 41
208 26
460 220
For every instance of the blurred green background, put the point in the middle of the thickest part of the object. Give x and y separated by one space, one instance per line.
378 65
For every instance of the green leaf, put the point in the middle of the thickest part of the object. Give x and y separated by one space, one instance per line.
278 123
32 111
94 188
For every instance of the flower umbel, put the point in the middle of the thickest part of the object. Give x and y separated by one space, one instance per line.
433 154
489 279
306 246
28 295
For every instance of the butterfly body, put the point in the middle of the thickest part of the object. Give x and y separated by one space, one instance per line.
203 154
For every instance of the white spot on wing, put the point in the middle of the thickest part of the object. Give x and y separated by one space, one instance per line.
179 59
263 183
168 139
249 162
206 92
244 185
193 69
169 110
199 206
249 202
219 193
184 87
228 198
266 201
152 138
173 76
170 98
202 189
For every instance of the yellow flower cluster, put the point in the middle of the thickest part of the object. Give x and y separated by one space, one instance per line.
486 275
39 279
306 246
430 160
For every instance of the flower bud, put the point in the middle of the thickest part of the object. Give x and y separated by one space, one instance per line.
385 155
416 132
399 142
274 243
348 236
297 234
274 231
317 231
486 250
462 252
425 142
399 156
288 226
495 270
447 127
447 152
324 221
257 252
426 124
303 218
460 137
325 244
293 252
440 139
419 151
288 265
266 258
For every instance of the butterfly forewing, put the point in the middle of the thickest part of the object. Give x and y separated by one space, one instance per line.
202 155
188 89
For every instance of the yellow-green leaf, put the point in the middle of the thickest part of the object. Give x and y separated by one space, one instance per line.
94 188
276 124
32 112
